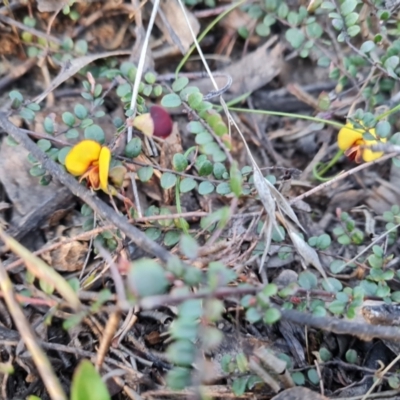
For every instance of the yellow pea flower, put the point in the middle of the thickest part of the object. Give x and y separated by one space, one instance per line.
350 140
88 159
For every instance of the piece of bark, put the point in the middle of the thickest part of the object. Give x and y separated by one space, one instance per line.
33 204
299 393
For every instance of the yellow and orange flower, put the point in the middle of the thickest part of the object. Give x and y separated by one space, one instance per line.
88 159
351 141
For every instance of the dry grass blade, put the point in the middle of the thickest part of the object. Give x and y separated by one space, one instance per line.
308 254
139 72
269 195
42 271
39 357
270 206
284 205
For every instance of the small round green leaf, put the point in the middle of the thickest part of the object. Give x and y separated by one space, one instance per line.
72 134
147 278
205 188
351 19
145 173
325 354
37 170
95 132
337 307
44 144
312 375
219 170
205 168
348 6
153 233
171 100
87 383
168 180
68 118
307 280
171 238
351 356
383 129
295 37
298 378
48 125
187 184
195 127
353 30
150 78
195 99
133 148
80 111
180 84
81 47
62 154
263 30
124 89
271 316
179 162
223 188
203 138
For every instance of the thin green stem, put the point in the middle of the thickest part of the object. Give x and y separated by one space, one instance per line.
289 115
204 33
319 174
182 222
387 113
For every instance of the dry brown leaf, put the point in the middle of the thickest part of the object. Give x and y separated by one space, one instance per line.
51 5
269 205
307 253
172 23
68 257
236 19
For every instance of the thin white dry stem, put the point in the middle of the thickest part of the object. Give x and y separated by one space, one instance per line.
270 197
89 283
130 320
89 250
382 374
136 195
140 67
198 46
378 239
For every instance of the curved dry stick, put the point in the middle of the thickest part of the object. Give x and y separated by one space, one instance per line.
339 177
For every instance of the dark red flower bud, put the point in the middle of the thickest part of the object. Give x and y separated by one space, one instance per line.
156 123
162 121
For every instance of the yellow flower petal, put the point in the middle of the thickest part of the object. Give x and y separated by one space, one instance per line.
81 156
104 166
144 123
348 136
369 155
